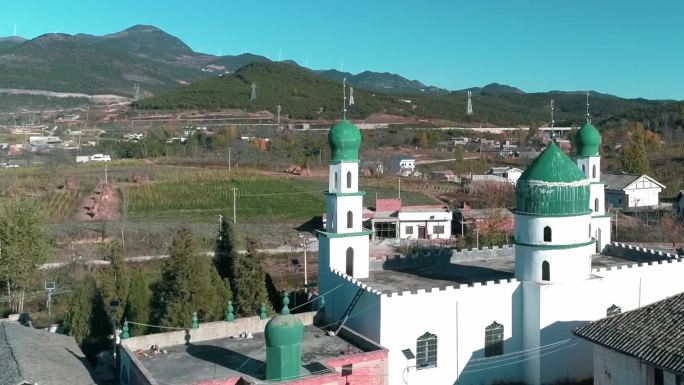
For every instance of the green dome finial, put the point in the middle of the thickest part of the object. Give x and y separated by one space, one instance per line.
286 301
195 320
124 331
588 140
263 314
230 312
344 140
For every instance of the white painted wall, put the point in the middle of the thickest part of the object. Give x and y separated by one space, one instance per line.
337 178
429 220
565 265
337 213
601 231
336 250
590 166
568 230
597 191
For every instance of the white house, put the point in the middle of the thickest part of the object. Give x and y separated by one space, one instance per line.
405 164
393 220
641 346
510 174
476 321
629 191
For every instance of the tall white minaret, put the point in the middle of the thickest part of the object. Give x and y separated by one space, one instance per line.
344 245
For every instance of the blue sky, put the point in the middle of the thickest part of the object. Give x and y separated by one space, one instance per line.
628 48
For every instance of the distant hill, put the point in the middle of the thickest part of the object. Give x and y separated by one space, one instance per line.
307 95
143 55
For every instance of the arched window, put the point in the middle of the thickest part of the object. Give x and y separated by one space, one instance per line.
613 310
349 177
593 171
547 234
546 271
426 351
335 180
494 339
583 169
350 219
349 269
596 205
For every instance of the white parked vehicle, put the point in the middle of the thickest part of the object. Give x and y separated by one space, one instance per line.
93 158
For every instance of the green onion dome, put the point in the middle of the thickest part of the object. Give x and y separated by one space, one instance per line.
588 140
552 186
344 139
284 329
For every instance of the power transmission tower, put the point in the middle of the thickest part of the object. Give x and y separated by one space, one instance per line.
470 104
351 96
252 98
136 87
588 116
552 108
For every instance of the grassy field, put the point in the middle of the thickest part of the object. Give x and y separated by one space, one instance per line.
270 207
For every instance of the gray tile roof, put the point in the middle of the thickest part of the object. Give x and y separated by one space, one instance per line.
33 356
618 181
652 333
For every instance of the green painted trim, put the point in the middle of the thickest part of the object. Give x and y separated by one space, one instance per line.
333 162
349 194
603 183
345 235
556 247
552 215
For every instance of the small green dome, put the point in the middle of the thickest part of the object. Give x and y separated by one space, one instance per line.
552 185
284 329
344 139
588 140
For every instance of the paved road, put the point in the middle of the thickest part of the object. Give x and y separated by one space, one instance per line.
98 262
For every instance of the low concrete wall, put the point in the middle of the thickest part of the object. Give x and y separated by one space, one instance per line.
438 256
483 253
636 253
206 331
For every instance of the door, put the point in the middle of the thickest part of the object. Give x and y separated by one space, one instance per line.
422 232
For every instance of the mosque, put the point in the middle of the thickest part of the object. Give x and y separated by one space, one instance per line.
510 318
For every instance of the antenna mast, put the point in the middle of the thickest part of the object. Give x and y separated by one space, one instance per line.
469 110
588 116
344 98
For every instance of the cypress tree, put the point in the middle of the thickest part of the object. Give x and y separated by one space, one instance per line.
78 316
634 157
116 280
225 250
138 303
189 283
249 280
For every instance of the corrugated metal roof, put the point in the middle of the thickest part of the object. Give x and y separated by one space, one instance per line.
653 333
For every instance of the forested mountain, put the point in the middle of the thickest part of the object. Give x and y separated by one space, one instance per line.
307 95
143 55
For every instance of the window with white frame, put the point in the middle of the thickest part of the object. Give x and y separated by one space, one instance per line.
494 339
409 230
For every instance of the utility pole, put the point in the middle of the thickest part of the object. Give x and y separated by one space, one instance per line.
220 227
399 187
106 180
229 159
234 201
305 244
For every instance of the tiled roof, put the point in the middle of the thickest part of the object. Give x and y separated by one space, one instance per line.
387 204
424 208
34 356
653 333
618 181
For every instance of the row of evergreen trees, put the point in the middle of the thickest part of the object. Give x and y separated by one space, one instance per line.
189 283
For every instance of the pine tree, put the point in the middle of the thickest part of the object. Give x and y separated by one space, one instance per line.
634 157
249 280
226 248
116 280
138 303
189 283
424 141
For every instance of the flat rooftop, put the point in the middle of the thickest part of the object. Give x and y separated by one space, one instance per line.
237 357
459 273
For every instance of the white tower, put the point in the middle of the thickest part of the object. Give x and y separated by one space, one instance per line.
588 141
344 245
470 104
552 221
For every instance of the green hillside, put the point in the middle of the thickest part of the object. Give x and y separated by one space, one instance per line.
301 93
306 95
